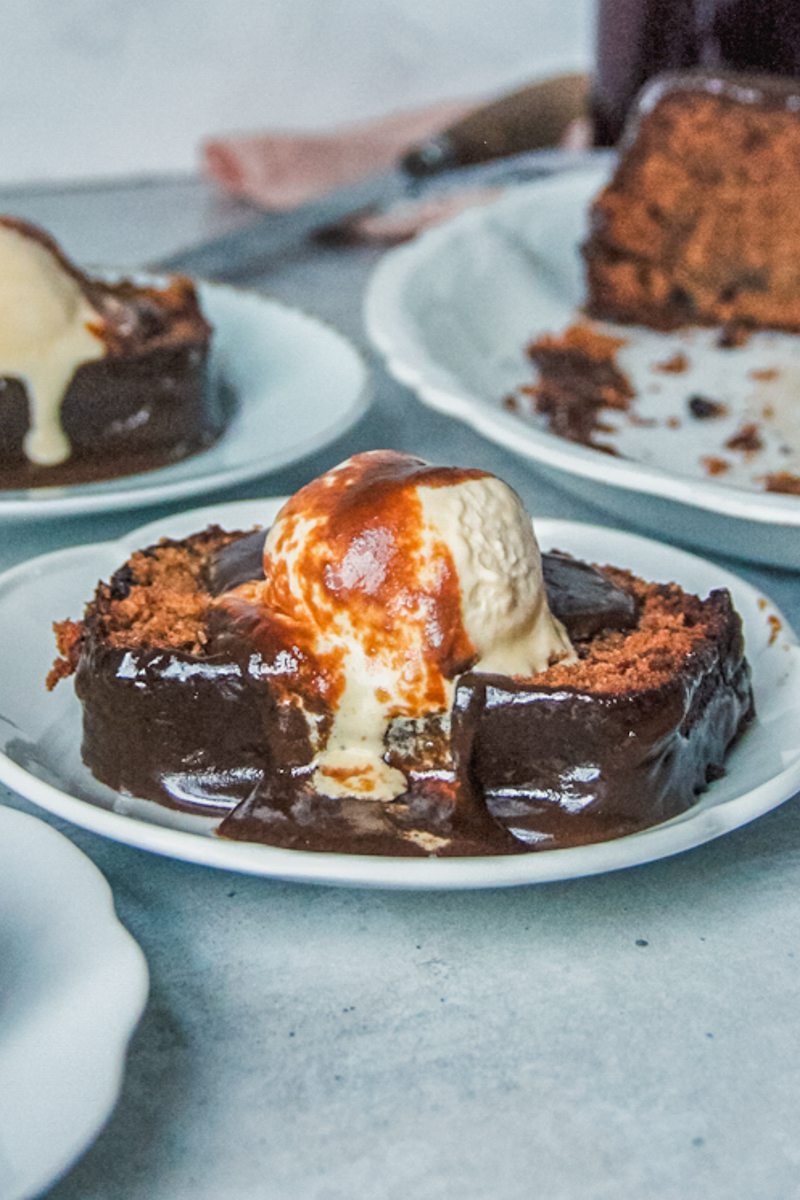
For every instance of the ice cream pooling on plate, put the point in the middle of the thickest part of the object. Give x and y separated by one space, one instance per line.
389 578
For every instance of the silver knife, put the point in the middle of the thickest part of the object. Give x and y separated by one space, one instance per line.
248 251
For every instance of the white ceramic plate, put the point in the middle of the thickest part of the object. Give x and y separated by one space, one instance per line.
297 384
453 311
72 986
40 733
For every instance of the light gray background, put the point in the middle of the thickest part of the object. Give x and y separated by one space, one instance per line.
119 87
629 1037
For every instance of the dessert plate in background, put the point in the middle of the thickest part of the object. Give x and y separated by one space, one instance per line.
453 311
296 385
72 988
40 732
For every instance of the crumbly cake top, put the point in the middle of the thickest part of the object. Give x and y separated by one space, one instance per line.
671 624
158 599
165 606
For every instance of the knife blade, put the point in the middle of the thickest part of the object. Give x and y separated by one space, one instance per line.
247 252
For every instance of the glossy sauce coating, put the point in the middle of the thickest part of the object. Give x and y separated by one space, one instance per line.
347 560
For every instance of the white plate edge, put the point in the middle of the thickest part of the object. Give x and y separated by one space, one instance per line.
72 502
119 950
689 829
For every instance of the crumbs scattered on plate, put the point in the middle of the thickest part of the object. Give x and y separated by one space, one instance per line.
595 386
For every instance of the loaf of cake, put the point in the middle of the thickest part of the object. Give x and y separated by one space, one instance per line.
97 379
395 670
700 223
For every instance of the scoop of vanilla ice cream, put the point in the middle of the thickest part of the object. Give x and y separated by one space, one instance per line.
503 599
46 333
403 576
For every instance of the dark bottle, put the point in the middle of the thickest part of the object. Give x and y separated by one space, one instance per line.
640 38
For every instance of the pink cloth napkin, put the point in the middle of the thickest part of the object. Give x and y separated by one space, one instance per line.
282 170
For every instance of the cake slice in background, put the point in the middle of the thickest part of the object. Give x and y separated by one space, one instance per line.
700 224
97 379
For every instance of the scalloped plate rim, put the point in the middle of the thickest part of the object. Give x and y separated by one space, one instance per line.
71 973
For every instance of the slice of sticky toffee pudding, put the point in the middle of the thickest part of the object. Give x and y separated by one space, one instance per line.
97 379
347 682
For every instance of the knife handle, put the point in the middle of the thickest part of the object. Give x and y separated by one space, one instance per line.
527 119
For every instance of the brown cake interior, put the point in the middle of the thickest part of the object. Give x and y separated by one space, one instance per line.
700 223
159 600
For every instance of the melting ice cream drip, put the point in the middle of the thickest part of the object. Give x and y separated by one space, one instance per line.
401 576
47 330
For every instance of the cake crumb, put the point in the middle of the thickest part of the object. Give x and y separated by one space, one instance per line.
158 599
585 339
68 644
775 627
714 466
703 408
783 481
765 375
676 365
747 439
578 378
